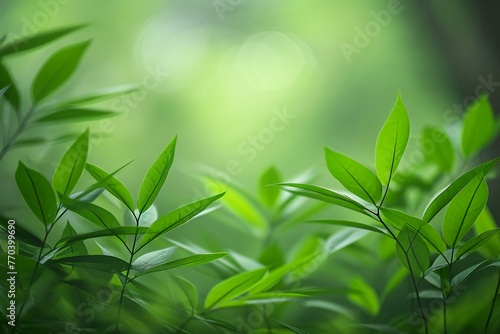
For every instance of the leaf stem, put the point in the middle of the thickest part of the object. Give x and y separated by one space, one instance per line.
13 137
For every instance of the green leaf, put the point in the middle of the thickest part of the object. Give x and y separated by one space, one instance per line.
269 194
155 177
364 296
76 115
23 44
193 260
441 200
57 70
477 241
392 141
37 193
262 298
116 231
325 195
437 147
177 218
153 259
233 287
465 274
23 234
97 215
71 166
412 246
3 90
486 222
342 239
464 210
101 262
12 94
98 96
112 184
351 224
355 177
427 232
76 247
478 126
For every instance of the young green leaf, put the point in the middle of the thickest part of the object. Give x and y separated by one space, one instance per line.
441 200
349 224
155 178
262 298
465 274
486 222
355 177
12 94
392 141
115 231
478 127
31 42
269 194
342 239
71 166
37 193
437 147
412 251
464 210
477 242
76 115
98 96
97 215
364 296
112 184
189 261
153 259
101 262
57 70
325 195
76 247
177 218
233 287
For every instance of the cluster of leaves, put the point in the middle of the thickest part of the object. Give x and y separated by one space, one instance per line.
31 112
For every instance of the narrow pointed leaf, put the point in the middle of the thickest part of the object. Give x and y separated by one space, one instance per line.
411 247
477 242
392 141
3 90
364 296
57 70
113 185
465 274
351 224
464 210
98 96
153 259
76 115
190 261
12 94
355 177
101 262
31 42
71 166
444 197
116 231
437 146
155 178
261 299
233 287
269 194
37 193
478 127
23 235
97 215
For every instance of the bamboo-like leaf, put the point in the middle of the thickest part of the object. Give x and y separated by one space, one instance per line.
155 178
261 298
478 127
193 260
116 231
438 147
31 42
12 94
101 262
113 185
392 141
153 259
464 210
486 222
57 70
466 273
98 96
233 287
269 194
71 166
325 195
444 197
76 115
354 176
477 242
177 218
350 224
412 251
37 193
97 215
364 296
